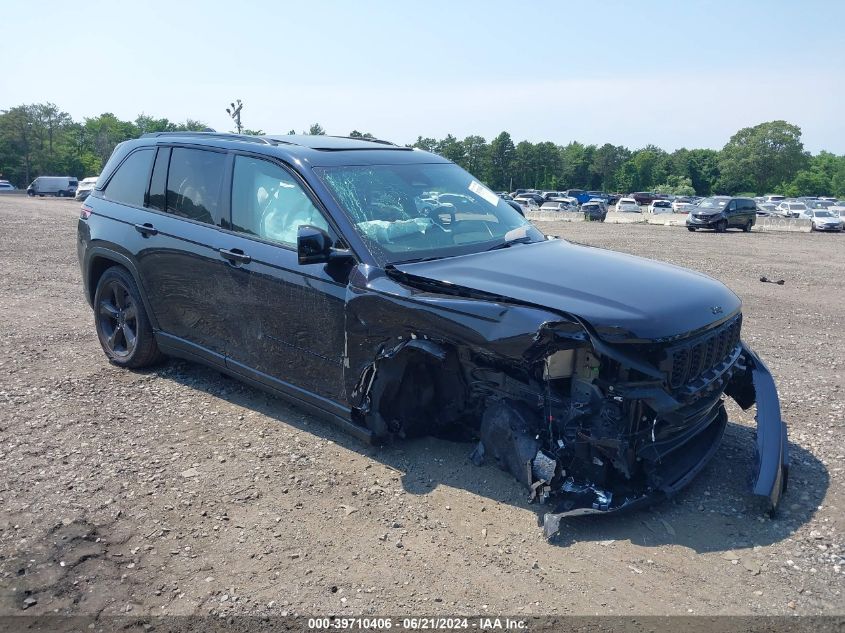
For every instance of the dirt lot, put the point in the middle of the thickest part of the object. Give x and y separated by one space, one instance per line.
178 491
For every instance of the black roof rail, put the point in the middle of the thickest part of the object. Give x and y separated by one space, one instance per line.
221 135
366 139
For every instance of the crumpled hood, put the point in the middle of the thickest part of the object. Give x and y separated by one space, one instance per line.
639 297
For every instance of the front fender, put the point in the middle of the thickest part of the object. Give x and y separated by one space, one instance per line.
771 464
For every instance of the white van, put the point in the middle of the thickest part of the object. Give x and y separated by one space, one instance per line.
59 186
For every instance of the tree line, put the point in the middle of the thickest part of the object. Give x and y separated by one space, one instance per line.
40 139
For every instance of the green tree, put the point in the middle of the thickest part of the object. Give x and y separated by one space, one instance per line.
576 159
428 144
452 149
761 158
502 154
103 133
677 186
316 129
607 162
476 156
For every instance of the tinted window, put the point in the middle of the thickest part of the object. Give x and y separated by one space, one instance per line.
129 182
193 184
158 182
269 203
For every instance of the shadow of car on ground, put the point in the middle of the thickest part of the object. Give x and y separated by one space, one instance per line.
715 512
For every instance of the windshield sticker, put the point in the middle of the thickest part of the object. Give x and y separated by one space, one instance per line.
479 189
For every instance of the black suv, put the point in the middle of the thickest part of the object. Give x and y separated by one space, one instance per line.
721 213
387 289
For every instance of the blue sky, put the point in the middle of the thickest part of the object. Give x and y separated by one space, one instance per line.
676 74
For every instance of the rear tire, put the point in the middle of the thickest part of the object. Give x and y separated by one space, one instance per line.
121 321
747 227
691 229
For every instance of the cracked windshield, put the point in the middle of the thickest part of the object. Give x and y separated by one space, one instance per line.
422 211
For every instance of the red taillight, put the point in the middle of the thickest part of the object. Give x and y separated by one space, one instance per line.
85 212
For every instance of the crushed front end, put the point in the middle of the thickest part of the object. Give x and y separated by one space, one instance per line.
619 425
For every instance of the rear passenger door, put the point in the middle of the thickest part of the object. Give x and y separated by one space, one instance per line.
289 318
183 273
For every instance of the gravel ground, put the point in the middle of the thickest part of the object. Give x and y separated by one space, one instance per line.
178 491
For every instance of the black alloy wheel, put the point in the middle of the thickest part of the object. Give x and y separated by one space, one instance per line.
121 321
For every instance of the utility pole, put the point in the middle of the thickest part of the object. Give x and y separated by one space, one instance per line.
235 113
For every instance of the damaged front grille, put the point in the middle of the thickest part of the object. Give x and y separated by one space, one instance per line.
689 360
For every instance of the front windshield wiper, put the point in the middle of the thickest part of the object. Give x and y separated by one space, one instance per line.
518 235
413 261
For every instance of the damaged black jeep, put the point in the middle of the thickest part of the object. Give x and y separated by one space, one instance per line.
388 289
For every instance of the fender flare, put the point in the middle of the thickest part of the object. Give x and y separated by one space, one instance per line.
101 252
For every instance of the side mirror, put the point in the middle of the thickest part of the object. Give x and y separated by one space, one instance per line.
314 246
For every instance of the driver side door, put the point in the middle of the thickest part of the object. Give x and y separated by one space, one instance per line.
288 319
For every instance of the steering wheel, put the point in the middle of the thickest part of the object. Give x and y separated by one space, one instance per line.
434 214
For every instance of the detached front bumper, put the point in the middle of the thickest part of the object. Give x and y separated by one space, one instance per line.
771 468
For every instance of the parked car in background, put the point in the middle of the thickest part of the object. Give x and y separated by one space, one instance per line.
765 209
644 197
594 210
557 206
819 203
660 206
721 213
681 204
6 186
536 197
791 209
627 205
551 195
59 186
824 220
579 194
85 187
613 198
599 201
838 208
527 204
771 197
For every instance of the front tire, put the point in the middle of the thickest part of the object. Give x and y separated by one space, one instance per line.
691 229
121 321
722 227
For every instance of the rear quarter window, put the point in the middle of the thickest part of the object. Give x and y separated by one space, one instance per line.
129 182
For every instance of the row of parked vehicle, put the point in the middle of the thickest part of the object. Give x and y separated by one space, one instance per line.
719 213
58 186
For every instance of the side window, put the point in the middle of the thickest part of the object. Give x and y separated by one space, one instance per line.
193 184
731 206
158 182
129 183
269 203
